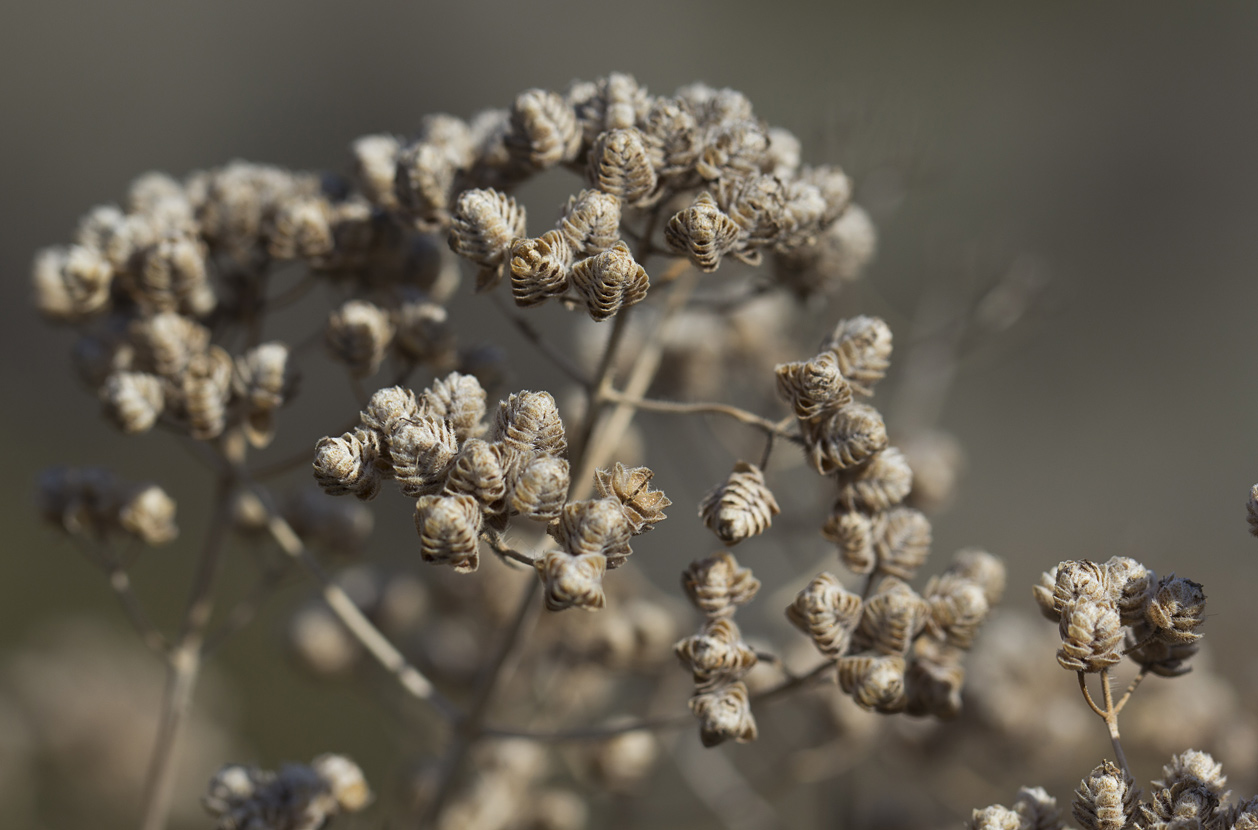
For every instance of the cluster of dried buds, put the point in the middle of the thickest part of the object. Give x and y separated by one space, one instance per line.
92 501
1122 607
297 797
716 655
1192 793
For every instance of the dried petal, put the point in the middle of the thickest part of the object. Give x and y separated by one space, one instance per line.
631 486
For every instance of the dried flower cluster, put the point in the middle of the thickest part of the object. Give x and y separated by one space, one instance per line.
93 502
297 797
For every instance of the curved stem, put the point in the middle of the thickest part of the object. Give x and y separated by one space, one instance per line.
681 408
1135 682
1083 687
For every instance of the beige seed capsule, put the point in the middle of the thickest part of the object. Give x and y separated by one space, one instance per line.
375 167
1081 579
933 688
133 401
845 438
529 423
387 408
724 714
1045 597
813 387
347 464
672 140
594 526
835 188
422 450
874 682
591 222
541 490
460 399
903 541
854 533
1195 767
615 102
345 780
619 165
477 472
958 608
891 618
995 817
539 268
482 228
757 204
1107 799
164 343
423 331
1157 656
827 613
71 283
1131 586
717 585
702 232
863 348
148 513
1038 809
423 184
263 377
735 149
172 275
1176 609
983 568
572 581
610 281
358 334
740 507
300 228
631 486
544 129
206 390
448 528
877 485
1090 634
716 655
1252 510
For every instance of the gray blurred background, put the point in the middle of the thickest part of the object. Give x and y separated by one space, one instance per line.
1116 145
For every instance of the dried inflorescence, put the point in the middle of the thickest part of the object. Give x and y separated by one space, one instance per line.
827 613
642 505
93 502
740 507
718 585
297 797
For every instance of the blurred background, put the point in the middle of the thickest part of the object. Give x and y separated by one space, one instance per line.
1109 148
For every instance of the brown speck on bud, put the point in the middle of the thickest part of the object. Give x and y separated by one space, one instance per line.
702 232
387 408
448 527
539 268
477 472
724 714
1107 799
827 613
528 423
716 655
891 618
863 348
572 581
206 390
459 399
854 533
422 451
1176 609
71 283
876 486
1131 586
591 222
544 129
740 507
1090 634
359 334
347 464
610 281
874 682
717 585
958 608
631 486
148 513
541 490
482 228
133 401
619 165
300 228
814 387
845 438
594 526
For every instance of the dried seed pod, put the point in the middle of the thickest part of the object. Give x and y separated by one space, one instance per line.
459 399
594 526
874 682
358 335
572 581
717 585
148 513
482 228
1131 586
1090 634
544 129
983 568
723 714
876 486
1107 799
206 389
702 232
263 377
591 222
422 331
902 542
716 655
800 219
539 268
133 401
619 165
735 149
827 613
1044 592
300 228
1161 658
1176 609
863 348
1187 804
672 139
71 283
615 102
631 486
423 183
1038 809
375 167
387 408
541 490
814 387
448 528
345 780
1081 579
164 343
528 423
757 204
933 688
958 608
421 451
995 817
477 472
171 275
846 437
610 281
891 617
348 464
1194 767
740 507
854 533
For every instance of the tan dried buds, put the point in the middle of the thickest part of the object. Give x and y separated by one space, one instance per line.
717 585
958 608
996 817
854 533
482 228
541 489
206 389
716 655
148 513
459 399
348 464
878 485
448 528
1176 609
92 501
862 346
814 386
544 129
610 281
1251 509
844 438
359 334
387 408
1090 634
133 401
572 581
421 451
902 542
594 526
703 232
874 682
631 486
1107 799
71 283
724 714
300 228
827 613
620 165
740 507
477 472
528 423
891 617
263 378
1131 584
591 222
539 268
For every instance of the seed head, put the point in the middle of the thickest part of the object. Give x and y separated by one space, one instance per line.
477 472
958 607
854 533
133 401
610 281
544 129
448 528
541 490
482 228
902 542
594 526
996 817
827 613
387 408
358 335
983 568
891 617
717 585
348 464
421 451
206 389
845 438
741 507
71 283
591 222
620 165
874 682
1038 809
863 348
459 399
716 655
1107 799
1090 634
877 485
724 714
1131 586
539 268
703 232
1176 609
631 486
814 387
148 513
933 688
300 228
572 581
422 330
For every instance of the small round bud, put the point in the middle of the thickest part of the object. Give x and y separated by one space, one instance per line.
958 608
814 387
876 486
717 585
541 489
1090 634
375 167
358 334
703 232
741 507
902 542
827 613
1107 799
572 581
845 438
544 129
610 281
422 450
874 682
206 392
863 348
133 401
595 526
631 486
482 228
619 165
460 399
348 464
148 513
891 617
1176 609
448 528
345 779
591 222
996 817
716 655
300 228
71 283
539 268
724 714
477 472
389 407
528 423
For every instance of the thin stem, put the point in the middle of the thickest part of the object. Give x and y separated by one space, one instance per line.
120 583
1083 687
601 383
679 408
495 541
1135 682
551 352
1111 721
